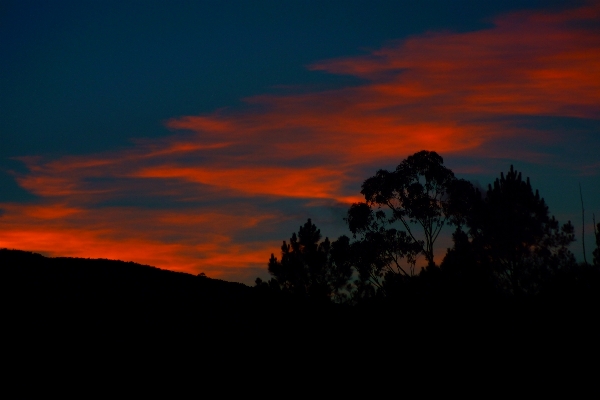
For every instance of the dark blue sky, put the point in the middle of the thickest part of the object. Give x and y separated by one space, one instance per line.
105 80
87 76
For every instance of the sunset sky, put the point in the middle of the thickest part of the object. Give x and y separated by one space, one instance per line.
196 136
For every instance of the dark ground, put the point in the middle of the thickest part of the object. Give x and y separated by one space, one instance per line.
78 314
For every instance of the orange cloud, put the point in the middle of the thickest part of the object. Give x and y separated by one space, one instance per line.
203 241
529 63
450 92
278 181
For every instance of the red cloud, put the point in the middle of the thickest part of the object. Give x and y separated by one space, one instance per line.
205 240
528 63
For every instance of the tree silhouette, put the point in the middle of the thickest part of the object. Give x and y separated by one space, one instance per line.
596 252
311 267
506 240
379 251
465 275
420 191
514 233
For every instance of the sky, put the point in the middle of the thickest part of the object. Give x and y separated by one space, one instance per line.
197 136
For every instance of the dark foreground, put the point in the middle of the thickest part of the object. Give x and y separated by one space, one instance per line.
80 311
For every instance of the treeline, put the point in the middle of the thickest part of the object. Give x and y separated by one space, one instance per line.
506 245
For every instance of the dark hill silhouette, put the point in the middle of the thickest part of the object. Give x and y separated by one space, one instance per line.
86 278
49 301
56 302
32 277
